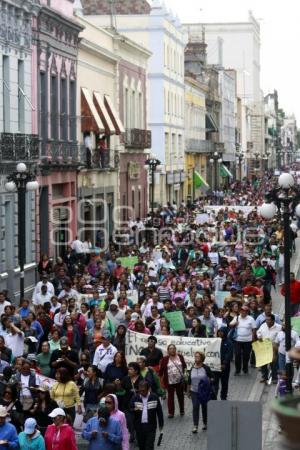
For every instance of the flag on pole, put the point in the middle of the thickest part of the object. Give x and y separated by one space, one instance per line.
199 182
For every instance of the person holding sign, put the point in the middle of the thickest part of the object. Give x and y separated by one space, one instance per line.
245 334
269 330
172 368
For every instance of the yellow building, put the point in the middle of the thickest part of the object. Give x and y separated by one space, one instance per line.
196 146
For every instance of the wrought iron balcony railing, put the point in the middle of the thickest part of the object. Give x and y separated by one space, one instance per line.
19 147
136 138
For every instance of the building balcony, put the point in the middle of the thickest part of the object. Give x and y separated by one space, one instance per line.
19 147
60 153
199 146
137 139
106 161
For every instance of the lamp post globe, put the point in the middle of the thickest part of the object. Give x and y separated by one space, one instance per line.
286 180
267 210
21 167
32 186
10 186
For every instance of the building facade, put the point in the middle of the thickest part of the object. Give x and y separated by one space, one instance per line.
18 135
56 80
160 32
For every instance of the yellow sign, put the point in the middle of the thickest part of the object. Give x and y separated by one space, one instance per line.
263 352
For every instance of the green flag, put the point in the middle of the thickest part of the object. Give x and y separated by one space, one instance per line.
224 172
199 182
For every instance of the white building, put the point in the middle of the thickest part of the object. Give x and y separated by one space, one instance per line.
237 46
289 139
161 33
227 80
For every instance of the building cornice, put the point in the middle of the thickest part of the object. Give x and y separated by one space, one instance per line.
96 49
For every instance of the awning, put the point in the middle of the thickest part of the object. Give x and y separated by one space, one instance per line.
224 172
119 127
103 113
90 120
199 181
210 123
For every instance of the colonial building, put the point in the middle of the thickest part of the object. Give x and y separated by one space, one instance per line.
18 135
159 31
56 79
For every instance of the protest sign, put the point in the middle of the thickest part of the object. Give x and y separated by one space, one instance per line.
128 261
296 324
220 297
263 352
202 218
176 320
216 208
186 346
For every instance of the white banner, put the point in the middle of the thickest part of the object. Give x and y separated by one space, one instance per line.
186 346
244 209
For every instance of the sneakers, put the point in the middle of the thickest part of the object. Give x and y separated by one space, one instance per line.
204 427
195 430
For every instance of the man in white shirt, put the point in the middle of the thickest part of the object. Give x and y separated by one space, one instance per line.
245 334
42 297
104 354
15 340
3 303
269 330
38 288
78 247
68 292
280 345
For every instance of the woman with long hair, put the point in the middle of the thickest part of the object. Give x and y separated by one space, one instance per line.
198 330
13 406
42 407
119 339
171 370
116 371
45 265
92 389
71 332
130 385
66 393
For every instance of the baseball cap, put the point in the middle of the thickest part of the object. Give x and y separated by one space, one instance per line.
135 316
30 425
3 411
57 412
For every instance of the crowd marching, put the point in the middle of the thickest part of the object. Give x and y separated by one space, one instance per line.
63 353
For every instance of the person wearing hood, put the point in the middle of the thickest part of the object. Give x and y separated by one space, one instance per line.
111 402
114 314
31 438
103 431
226 357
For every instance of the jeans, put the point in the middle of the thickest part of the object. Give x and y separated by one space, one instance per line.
242 352
224 378
179 389
281 361
196 409
145 438
265 370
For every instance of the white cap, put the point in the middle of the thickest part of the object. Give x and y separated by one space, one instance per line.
57 412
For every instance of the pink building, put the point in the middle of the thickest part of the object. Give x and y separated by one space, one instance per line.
55 81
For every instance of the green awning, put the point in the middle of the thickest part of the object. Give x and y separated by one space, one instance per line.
200 182
224 172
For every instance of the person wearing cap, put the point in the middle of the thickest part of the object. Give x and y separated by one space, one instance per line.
104 353
31 438
245 329
8 432
60 435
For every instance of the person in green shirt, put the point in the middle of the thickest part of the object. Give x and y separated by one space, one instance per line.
43 359
258 270
54 342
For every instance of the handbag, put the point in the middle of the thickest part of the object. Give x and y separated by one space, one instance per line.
232 335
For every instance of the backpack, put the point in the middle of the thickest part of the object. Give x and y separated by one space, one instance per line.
204 390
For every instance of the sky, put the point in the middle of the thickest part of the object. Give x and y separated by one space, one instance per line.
280 38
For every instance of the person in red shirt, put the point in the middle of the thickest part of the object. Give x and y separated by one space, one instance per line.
295 294
118 271
249 289
60 435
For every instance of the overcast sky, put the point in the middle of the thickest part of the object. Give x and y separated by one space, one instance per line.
280 38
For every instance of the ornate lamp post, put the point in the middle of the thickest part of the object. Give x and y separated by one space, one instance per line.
239 157
286 198
152 164
215 160
20 181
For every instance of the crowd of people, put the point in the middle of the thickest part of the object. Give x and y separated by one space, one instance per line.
63 352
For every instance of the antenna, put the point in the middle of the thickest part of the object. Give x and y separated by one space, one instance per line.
113 20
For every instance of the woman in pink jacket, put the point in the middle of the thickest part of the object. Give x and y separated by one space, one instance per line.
111 402
59 435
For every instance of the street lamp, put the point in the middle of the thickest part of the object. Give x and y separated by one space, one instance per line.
152 164
21 181
239 159
285 197
214 160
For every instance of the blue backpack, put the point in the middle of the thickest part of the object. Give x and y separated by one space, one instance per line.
204 390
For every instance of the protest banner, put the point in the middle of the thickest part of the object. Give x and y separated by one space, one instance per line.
263 352
176 320
220 297
296 324
128 261
186 346
216 208
50 382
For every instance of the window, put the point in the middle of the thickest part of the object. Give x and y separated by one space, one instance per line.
29 227
43 106
167 149
173 150
6 93
63 110
140 117
9 238
124 203
21 97
133 109
54 108
140 202
72 111
127 109
133 199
